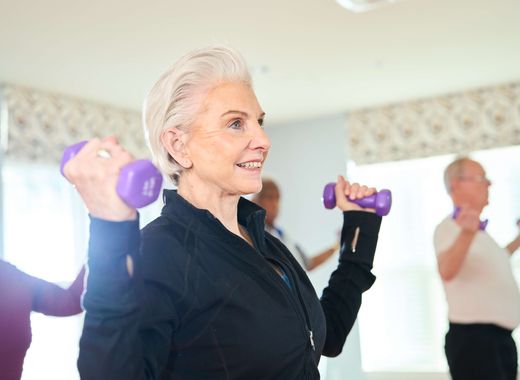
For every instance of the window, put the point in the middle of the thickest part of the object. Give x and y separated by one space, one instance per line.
403 317
45 231
46 235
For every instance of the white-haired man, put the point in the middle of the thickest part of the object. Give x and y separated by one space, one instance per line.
482 295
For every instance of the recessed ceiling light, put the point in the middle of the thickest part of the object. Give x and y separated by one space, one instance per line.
364 5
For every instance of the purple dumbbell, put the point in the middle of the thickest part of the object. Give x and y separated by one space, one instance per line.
482 225
380 201
139 182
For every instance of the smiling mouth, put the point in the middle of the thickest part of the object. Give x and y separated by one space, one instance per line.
250 165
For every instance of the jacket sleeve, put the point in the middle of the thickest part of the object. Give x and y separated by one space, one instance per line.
129 321
50 299
341 299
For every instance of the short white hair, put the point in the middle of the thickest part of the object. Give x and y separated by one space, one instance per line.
455 170
176 98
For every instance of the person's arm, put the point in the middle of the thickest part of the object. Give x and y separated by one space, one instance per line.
130 318
450 260
513 246
50 299
341 299
320 258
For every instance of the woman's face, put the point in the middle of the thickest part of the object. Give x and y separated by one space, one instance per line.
227 144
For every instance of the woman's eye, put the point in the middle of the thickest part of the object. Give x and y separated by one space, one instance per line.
237 124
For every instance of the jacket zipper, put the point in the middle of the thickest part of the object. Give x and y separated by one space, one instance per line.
308 327
290 274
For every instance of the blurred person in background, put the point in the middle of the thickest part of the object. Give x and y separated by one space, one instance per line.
20 294
481 291
269 199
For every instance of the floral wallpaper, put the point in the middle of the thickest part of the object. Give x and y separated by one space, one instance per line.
458 123
40 125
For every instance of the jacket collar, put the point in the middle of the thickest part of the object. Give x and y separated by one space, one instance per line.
250 215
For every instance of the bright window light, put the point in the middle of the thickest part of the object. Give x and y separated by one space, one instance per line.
403 318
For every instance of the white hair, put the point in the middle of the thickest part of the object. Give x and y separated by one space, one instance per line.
176 98
455 170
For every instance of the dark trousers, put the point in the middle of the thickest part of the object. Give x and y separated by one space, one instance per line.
481 352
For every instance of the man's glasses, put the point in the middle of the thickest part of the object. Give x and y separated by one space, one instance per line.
476 178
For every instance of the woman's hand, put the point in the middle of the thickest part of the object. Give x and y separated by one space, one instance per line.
94 171
347 192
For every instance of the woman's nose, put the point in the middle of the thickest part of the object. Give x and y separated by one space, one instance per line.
260 139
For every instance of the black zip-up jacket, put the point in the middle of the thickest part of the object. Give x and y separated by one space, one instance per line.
204 304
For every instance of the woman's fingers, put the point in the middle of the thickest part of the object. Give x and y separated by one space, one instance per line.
342 190
347 193
95 171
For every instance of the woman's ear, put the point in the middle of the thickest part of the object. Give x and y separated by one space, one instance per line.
174 142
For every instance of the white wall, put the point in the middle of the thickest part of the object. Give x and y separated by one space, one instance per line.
304 157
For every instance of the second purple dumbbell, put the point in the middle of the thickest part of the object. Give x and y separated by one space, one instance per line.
482 225
139 182
380 201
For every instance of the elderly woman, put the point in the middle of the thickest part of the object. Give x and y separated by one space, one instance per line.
203 292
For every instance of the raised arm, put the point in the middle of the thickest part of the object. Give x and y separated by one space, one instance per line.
128 319
450 260
341 299
513 246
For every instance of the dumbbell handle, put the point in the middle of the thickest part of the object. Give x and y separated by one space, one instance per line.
139 182
482 224
380 201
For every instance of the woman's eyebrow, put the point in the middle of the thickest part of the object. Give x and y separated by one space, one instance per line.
242 113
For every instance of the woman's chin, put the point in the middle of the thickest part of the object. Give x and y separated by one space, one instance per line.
252 187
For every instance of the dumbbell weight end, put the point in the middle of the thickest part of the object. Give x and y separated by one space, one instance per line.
380 201
139 182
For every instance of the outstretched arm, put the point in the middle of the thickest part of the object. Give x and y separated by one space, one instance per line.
320 258
513 246
50 299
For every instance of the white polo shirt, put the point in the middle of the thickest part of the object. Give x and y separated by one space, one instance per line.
484 290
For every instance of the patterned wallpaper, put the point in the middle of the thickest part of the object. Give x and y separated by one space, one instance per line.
459 123
41 125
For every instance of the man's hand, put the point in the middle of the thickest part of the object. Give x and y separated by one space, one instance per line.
468 219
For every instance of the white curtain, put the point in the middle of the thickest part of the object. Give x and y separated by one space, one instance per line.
46 235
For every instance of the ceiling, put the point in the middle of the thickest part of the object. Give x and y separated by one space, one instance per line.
310 58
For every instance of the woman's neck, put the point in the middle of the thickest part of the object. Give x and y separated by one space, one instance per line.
222 206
